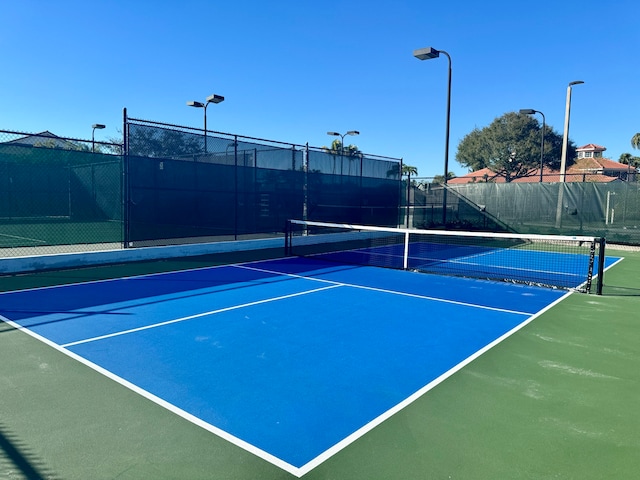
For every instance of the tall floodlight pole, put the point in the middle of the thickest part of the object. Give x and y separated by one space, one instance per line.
531 111
563 159
427 54
210 99
95 126
342 135
565 137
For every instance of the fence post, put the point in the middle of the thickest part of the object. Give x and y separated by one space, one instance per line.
401 217
305 186
237 195
126 214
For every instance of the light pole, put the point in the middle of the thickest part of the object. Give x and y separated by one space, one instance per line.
427 54
563 159
342 135
95 126
531 111
565 137
210 99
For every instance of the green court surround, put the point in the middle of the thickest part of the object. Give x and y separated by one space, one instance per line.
558 399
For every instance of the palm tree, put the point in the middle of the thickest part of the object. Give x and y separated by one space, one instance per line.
635 141
335 149
409 170
628 159
625 158
350 151
440 178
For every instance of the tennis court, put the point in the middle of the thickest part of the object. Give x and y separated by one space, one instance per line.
266 369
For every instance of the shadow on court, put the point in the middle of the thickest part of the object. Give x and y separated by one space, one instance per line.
18 461
620 291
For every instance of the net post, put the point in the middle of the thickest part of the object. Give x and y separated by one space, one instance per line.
592 256
405 260
601 248
287 239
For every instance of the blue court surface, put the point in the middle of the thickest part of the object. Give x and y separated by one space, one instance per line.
290 359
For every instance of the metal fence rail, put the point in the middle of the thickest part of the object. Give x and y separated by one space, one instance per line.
167 184
187 183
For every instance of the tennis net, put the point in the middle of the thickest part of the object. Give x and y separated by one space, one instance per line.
555 261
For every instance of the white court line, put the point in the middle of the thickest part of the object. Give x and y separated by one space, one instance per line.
296 471
161 402
22 238
191 317
130 277
412 398
384 290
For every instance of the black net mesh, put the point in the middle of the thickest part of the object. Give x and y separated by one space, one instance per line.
543 260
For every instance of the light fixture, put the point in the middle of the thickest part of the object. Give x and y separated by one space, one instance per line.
94 127
210 99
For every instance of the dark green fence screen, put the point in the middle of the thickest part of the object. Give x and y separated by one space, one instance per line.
56 193
168 184
183 184
610 210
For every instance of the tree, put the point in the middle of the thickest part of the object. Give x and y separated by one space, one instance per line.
628 159
350 153
510 147
408 170
336 149
474 150
439 179
61 144
160 142
635 141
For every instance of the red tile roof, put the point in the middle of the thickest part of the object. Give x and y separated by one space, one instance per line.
592 147
583 170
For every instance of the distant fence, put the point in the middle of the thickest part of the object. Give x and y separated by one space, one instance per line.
611 210
168 184
55 192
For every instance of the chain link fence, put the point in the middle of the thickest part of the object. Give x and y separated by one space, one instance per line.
183 185
610 210
168 184
58 193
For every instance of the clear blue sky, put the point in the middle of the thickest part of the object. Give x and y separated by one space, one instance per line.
293 70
